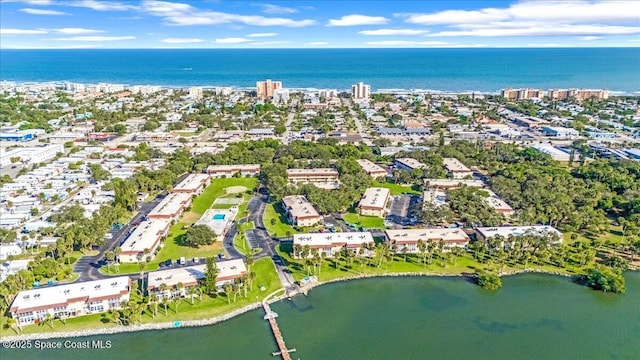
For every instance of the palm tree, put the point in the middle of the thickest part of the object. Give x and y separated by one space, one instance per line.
227 290
141 266
191 290
153 299
179 286
165 303
176 302
48 319
11 324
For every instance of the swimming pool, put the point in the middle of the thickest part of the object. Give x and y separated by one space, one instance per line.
218 217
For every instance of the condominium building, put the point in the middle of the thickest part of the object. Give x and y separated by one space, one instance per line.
281 96
218 171
578 94
505 232
193 184
69 300
452 183
499 205
372 169
360 91
408 164
408 238
456 169
320 177
328 244
190 276
171 207
265 89
300 212
374 202
144 241
522 94
195 93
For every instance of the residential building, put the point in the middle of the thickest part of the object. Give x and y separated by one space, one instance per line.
171 207
435 197
360 91
320 177
408 238
190 276
578 94
144 241
218 171
193 184
195 93
452 183
456 169
499 205
328 244
299 211
555 153
408 164
505 232
372 169
374 202
69 300
281 96
265 89
522 94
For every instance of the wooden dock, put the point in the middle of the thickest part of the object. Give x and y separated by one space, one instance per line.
271 317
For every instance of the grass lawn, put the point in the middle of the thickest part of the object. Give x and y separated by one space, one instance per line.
397 189
368 222
207 308
281 227
216 189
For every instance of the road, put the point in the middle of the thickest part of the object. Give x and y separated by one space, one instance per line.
356 120
88 266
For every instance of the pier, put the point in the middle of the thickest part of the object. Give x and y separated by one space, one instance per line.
271 317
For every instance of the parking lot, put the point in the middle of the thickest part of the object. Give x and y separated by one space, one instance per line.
403 209
252 239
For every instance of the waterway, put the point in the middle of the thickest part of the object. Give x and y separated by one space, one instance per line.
532 317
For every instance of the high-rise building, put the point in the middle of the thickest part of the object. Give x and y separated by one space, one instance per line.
265 89
360 91
522 94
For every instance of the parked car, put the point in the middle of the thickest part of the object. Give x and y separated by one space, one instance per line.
182 261
196 260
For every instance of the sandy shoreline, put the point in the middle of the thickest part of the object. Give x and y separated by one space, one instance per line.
232 314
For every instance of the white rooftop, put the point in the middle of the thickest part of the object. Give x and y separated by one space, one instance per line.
188 276
454 165
411 163
453 183
370 167
171 204
316 171
413 235
46 297
145 235
192 182
506 231
435 197
332 239
299 206
374 197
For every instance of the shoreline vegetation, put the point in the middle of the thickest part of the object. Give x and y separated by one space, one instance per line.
256 305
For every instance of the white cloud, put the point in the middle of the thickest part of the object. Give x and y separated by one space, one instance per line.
97 38
407 43
77 31
356 20
262 34
232 40
30 2
181 40
42 12
22 31
276 9
317 43
590 38
384 32
100 5
543 30
180 14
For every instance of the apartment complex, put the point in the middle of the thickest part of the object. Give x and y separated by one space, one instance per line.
578 94
265 89
321 177
372 169
331 243
69 300
218 171
374 202
408 238
505 232
300 212
144 240
190 276
408 164
193 184
171 207
522 94
360 91
452 183
456 169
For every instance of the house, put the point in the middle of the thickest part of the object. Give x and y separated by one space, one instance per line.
190 276
328 244
218 171
374 202
69 300
408 238
300 212
456 169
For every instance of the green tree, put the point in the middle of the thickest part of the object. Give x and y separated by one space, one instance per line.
211 277
488 280
199 235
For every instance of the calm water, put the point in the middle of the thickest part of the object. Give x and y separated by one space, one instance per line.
531 317
486 70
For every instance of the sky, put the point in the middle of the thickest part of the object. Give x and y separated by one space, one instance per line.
44 24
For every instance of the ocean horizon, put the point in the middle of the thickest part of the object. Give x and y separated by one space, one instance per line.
437 70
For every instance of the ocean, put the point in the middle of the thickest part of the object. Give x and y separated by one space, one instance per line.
532 316
447 70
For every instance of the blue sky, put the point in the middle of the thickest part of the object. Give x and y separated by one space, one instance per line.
317 24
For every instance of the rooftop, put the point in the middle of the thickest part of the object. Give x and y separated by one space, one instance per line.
192 182
299 206
413 235
374 198
370 167
145 236
316 171
171 204
454 165
452 183
411 163
332 239
189 276
506 231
